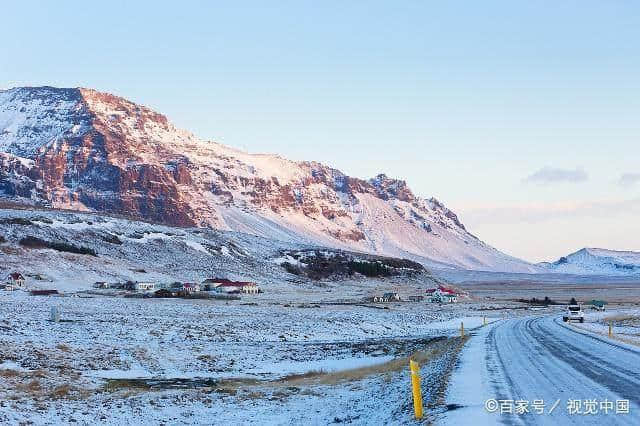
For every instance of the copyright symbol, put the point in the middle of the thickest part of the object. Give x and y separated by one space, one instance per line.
491 405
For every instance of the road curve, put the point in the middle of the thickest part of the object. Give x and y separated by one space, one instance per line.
541 358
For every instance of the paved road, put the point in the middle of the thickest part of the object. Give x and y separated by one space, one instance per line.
541 358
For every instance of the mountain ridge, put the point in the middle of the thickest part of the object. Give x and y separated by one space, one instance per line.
597 261
87 150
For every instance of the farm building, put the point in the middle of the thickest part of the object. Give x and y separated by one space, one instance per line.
15 280
224 285
144 286
43 292
387 297
190 287
139 286
442 295
238 287
164 293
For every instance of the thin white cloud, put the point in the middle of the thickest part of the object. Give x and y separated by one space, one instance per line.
548 175
629 179
540 212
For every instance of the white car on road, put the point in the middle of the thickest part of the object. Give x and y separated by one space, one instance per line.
574 313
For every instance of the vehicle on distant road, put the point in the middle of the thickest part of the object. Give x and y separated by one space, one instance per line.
574 313
597 305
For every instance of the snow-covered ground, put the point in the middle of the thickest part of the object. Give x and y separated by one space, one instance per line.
147 361
138 251
625 323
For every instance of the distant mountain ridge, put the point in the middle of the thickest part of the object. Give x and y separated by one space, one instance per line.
91 151
596 261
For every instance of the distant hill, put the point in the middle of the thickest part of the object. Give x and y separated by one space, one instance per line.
596 261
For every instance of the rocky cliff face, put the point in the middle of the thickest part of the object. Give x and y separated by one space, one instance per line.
86 150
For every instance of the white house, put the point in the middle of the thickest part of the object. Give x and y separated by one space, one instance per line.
191 287
145 286
387 297
14 281
239 287
442 295
224 285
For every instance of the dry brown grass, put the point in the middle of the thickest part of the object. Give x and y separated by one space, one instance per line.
63 347
253 395
32 387
61 391
10 250
9 373
39 373
250 389
431 351
621 318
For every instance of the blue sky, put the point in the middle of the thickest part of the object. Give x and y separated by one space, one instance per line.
523 117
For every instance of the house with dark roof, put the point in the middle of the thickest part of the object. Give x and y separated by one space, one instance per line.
190 287
223 285
14 280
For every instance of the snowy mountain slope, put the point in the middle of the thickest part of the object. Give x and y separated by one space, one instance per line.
73 250
86 150
597 261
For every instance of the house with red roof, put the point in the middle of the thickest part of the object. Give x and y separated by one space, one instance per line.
14 280
224 285
442 295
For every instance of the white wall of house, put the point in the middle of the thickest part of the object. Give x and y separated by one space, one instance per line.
145 286
250 289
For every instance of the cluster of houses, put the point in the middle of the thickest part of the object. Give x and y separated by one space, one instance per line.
433 295
218 285
441 295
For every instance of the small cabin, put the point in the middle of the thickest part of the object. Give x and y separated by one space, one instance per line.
190 287
387 297
145 286
238 287
164 293
15 280
391 297
43 292
224 285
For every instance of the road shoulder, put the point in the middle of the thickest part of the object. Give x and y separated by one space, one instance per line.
469 384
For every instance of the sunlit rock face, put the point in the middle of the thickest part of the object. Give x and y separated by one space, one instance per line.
86 150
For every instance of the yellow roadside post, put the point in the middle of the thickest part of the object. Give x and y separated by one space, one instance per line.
462 329
484 320
610 329
415 384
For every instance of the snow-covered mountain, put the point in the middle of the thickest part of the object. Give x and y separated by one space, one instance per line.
597 261
85 150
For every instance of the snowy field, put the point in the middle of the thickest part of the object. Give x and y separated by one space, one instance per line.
625 323
114 360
